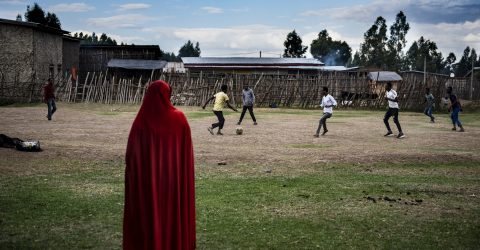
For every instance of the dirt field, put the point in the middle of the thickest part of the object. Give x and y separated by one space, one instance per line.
281 188
282 138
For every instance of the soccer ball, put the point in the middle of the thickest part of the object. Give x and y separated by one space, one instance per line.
239 130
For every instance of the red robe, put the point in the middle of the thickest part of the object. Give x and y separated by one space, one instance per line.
159 208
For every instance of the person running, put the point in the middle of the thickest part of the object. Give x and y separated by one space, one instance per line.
430 100
391 97
455 108
221 98
248 99
327 104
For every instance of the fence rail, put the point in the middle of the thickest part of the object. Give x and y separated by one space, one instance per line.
351 89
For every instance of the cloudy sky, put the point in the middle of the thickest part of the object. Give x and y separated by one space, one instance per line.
244 27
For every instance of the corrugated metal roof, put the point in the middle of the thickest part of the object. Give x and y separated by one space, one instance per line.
230 61
136 64
384 76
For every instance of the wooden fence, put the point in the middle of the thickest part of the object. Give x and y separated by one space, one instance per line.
351 89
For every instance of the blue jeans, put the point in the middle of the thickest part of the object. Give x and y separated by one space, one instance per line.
454 117
428 112
323 122
51 108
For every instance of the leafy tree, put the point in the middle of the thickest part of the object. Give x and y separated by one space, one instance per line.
171 57
373 50
53 21
449 61
355 61
397 41
330 52
94 39
293 46
187 50
465 64
35 14
424 51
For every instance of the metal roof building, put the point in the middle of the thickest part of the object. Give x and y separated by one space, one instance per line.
384 76
252 64
136 64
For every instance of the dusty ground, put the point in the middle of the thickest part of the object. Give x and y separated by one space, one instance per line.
282 140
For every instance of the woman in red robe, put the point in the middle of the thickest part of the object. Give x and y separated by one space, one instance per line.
159 208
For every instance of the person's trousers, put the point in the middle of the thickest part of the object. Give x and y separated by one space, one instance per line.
428 112
454 117
51 108
392 112
221 120
323 122
250 110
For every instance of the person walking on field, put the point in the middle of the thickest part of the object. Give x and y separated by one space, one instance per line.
455 108
430 100
327 103
393 107
248 99
49 98
221 99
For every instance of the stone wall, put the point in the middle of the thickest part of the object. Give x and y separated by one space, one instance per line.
16 53
47 56
71 51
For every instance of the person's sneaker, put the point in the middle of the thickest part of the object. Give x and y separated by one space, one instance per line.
389 133
400 135
461 129
255 123
316 135
238 123
454 129
433 120
210 130
219 133
324 132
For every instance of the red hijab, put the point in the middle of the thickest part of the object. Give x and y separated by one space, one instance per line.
159 208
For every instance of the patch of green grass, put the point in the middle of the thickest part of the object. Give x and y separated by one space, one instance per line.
330 211
78 210
327 208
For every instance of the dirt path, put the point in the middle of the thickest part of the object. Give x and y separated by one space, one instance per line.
279 141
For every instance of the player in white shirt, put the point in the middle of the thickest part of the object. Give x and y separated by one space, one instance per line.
391 96
327 103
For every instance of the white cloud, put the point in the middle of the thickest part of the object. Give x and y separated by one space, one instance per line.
219 41
134 6
421 11
10 15
472 38
120 21
212 10
13 2
71 7
361 12
449 37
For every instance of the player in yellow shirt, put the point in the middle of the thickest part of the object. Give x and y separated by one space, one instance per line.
221 98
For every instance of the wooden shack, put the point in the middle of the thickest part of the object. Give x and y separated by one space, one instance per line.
95 58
